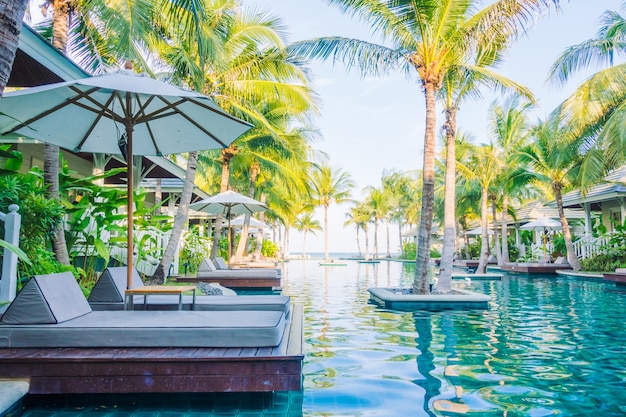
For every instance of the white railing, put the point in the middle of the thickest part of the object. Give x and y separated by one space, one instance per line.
8 282
589 246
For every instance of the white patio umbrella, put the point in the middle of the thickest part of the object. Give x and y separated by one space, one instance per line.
229 202
240 220
119 113
543 224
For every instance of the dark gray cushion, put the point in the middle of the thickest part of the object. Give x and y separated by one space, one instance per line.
152 329
111 285
47 299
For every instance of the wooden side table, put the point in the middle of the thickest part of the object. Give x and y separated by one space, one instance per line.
159 290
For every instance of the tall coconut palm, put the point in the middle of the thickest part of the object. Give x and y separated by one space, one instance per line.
460 84
329 186
554 160
510 129
305 223
484 166
377 201
427 39
11 15
359 216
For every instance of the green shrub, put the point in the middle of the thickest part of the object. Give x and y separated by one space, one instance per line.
269 249
606 262
409 250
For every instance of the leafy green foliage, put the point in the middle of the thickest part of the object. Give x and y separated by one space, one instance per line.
408 250
195 250
269 249
606 262
39 218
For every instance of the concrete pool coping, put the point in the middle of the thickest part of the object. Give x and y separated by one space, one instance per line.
462 299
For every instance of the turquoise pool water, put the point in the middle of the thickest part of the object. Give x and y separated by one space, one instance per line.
546 346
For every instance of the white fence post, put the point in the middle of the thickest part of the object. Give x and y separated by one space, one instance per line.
8 283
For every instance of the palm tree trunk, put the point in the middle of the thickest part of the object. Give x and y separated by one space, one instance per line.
388 243
402 254
420 283
444 282
567 234
304 245
51 180
505 236
367 245
179 220
227 155
243 239
375 254
11 15
358 241
484 239
51 152
259 236
496 237
326 258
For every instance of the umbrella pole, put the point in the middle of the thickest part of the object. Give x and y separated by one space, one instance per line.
228 214
129 208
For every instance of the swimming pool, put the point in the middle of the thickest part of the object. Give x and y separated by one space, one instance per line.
546 346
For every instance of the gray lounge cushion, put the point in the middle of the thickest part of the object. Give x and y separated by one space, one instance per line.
47 299
220 263
111 285
152 329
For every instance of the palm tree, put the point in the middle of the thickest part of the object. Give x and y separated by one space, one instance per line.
359 216
484 166
329 186
459 84
305 223
377 202
11 15
554 160
510 128
428 38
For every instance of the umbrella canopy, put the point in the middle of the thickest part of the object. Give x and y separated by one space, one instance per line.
478 231
229 202
120 113
542 224
240 220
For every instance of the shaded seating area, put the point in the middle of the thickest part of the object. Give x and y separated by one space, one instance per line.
249 279
560 263
108 294
51 335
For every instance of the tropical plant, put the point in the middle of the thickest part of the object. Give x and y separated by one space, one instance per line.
427 38
305 223
329 186
553 159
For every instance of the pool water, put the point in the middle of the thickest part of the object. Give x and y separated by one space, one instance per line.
546 346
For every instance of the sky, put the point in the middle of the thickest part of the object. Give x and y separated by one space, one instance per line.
371 125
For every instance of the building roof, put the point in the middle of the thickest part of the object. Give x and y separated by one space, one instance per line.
612 187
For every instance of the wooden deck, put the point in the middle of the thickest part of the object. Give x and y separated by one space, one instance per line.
237 283
156 370
619 279
534 268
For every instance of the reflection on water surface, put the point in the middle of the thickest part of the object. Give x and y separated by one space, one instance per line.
546 346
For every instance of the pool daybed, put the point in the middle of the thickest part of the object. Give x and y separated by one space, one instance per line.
108 294
51 311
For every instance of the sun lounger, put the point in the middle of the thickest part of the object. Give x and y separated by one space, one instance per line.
208 269
108 294
51 312
221 265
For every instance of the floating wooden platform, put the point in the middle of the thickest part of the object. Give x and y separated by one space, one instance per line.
619 279
268 284
333 264
534 268
161 370
369 262
486 276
